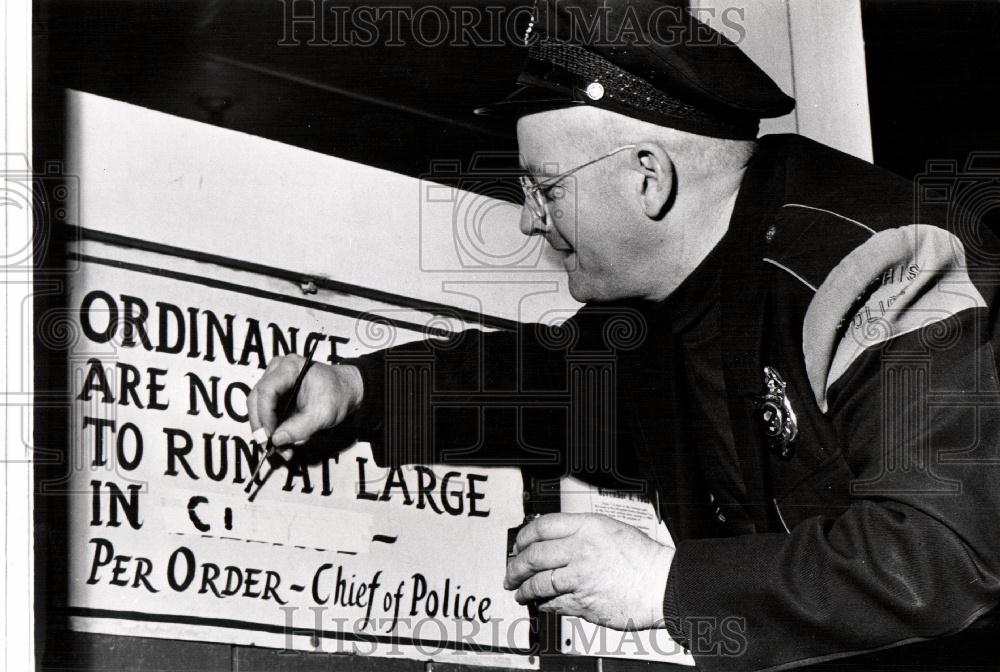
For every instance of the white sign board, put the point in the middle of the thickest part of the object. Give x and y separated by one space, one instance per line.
334 554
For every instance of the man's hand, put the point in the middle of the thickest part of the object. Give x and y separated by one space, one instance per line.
591 566
327 396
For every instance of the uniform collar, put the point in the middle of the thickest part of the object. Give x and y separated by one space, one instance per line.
693 298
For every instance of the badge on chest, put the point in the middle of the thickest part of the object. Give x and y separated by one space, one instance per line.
776 415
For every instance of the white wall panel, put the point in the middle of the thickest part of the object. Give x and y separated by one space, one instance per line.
814 50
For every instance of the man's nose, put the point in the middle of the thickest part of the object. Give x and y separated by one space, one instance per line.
531 224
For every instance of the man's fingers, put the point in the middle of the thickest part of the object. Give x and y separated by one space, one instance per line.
266 399
535 558
544 585
262 403
295 429
252 413
277 362
567 605
549 526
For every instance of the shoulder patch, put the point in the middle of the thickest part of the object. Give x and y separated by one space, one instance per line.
898 281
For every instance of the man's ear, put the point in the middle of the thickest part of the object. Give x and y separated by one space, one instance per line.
657 171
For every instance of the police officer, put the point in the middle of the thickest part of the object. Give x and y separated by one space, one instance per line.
807 378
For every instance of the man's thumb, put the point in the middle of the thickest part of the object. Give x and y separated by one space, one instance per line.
295 429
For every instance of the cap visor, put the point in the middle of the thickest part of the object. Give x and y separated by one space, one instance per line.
526 100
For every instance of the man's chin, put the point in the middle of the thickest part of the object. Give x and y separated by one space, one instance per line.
585 290
578 287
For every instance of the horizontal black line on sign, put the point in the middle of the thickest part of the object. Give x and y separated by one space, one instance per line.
297 278
283 630
263 294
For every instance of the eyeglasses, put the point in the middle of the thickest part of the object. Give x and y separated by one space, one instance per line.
534 191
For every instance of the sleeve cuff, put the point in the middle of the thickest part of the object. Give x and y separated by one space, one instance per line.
671 610
369 418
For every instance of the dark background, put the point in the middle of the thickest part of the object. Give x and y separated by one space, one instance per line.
933 80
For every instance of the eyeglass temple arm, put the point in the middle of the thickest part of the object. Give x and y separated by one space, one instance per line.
555 179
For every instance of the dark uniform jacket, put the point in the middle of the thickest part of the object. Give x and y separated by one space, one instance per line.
879 525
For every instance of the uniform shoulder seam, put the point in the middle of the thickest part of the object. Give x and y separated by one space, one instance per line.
795 275
831 212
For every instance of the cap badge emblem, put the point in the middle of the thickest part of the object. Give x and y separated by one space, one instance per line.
781 427
531 23
595 91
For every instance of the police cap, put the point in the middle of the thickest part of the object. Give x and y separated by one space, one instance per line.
646 59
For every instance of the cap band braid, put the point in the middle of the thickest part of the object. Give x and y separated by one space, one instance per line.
573 66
